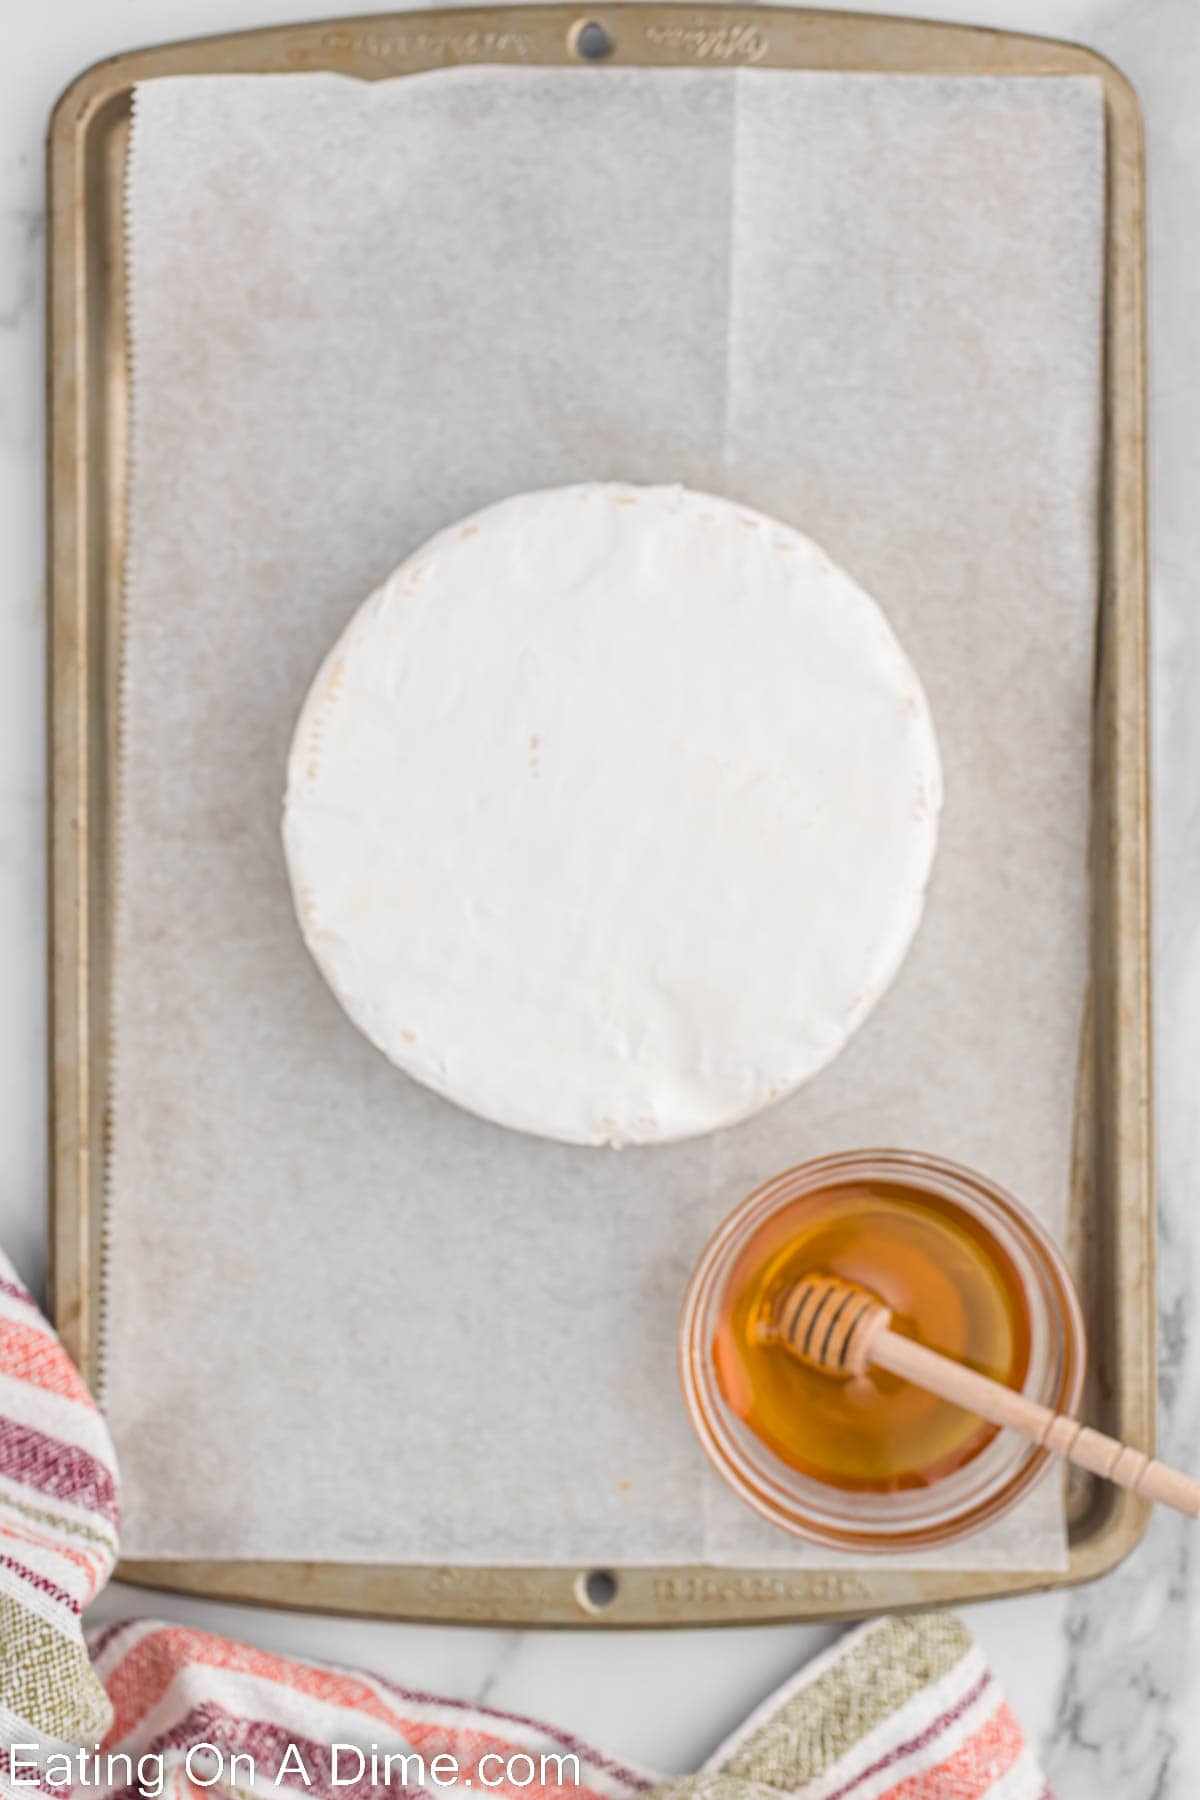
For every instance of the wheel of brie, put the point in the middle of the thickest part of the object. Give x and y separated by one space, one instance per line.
610 815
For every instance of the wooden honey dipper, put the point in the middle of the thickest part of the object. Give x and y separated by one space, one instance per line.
841 1329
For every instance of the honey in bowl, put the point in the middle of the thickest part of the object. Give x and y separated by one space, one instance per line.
967 1270
950 1285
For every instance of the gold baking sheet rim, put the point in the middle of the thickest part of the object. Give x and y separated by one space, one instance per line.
1113 1226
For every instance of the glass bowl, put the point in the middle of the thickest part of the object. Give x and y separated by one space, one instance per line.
914 1518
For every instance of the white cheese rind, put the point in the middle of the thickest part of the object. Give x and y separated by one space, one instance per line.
611 813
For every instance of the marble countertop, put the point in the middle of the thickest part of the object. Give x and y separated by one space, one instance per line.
1105 1679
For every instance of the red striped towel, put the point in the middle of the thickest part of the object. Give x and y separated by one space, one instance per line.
901 1709
58 1528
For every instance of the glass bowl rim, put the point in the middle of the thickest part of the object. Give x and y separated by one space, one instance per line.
919 1171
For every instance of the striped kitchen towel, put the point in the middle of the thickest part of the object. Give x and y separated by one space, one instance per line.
900 1709
311 1730
58 1529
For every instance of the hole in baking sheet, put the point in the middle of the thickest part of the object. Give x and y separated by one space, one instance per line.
596 1590
589 39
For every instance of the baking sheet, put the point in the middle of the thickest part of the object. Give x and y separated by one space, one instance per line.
916 385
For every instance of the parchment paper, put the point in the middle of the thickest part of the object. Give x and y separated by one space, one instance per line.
345 1320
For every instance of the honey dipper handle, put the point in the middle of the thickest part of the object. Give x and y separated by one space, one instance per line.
1000 1405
